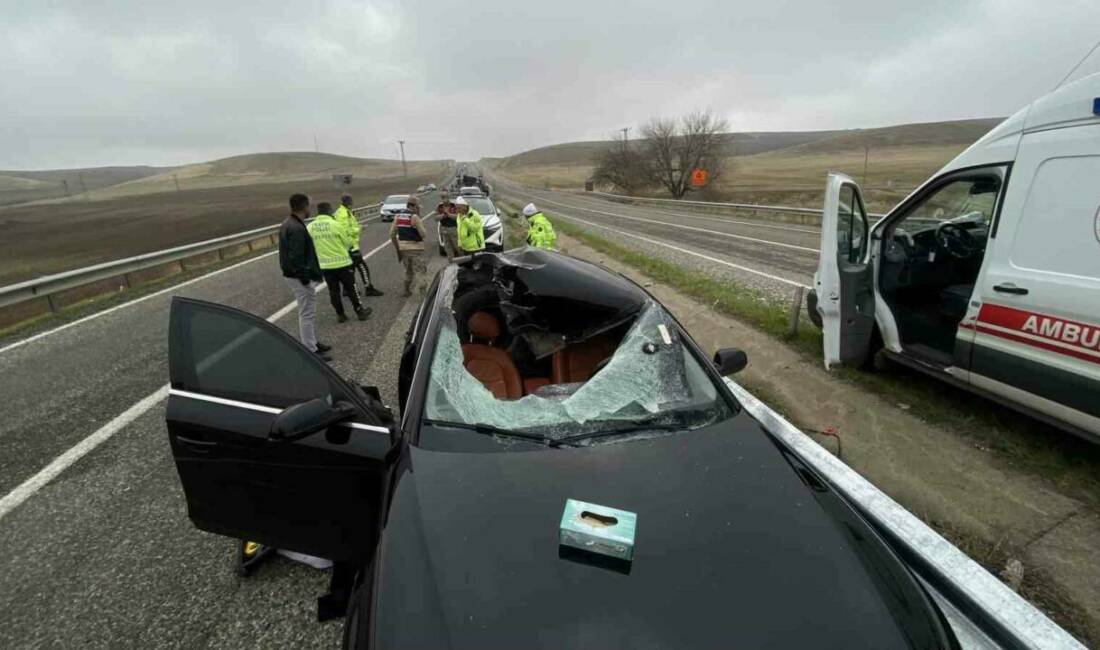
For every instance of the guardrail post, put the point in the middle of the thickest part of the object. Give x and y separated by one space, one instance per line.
129 280
796 310
51 303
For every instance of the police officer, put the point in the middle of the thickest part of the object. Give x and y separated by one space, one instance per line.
333 243
448 225
346 218
540 233
407 236
471 236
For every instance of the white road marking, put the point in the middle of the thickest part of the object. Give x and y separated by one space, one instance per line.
85 319
683 227
174 287
32 485
688 252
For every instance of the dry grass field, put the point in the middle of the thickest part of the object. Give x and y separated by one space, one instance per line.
785 168
50 237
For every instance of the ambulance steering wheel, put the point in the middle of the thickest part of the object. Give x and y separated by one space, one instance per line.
957 241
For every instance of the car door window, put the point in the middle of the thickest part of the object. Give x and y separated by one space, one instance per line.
224 353
851 226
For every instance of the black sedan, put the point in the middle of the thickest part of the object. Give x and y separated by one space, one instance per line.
530 379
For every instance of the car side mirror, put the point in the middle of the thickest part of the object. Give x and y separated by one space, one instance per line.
301 420
379 407
730 361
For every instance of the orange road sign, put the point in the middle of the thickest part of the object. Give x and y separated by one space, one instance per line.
699 177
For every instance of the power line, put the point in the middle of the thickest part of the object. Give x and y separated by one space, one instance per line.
1074 68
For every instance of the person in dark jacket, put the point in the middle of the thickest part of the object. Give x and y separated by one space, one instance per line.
301 271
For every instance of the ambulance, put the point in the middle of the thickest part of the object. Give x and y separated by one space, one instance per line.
988 275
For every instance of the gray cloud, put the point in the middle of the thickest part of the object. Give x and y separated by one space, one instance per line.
87 83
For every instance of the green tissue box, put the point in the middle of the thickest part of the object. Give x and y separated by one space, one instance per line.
598 529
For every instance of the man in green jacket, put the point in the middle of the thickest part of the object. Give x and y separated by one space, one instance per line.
540 233
471 236
333 245
346 218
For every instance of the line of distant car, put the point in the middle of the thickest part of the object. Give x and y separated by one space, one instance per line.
491 224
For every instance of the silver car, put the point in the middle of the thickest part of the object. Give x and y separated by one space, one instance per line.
393 204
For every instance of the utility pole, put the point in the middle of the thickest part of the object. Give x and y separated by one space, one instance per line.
84 187
67 194
177 179
866 153
316 149
626 136
404 169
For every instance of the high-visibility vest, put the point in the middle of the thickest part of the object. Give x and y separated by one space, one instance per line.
540 233
331 242
471 237
406 231
349 223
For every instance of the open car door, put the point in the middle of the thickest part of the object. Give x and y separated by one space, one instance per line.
844 281
271 445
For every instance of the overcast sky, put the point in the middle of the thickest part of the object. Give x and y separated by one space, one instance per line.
101 82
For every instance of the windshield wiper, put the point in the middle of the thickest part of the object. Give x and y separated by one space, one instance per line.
623 427
490 430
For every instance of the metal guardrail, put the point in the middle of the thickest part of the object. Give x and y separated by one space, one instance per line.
982 610
716 205
48 286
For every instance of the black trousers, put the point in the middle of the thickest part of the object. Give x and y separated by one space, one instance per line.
341 279
360 265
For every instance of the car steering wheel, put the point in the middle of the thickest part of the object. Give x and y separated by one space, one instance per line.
957 241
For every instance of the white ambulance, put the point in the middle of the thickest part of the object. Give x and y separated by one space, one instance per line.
988 275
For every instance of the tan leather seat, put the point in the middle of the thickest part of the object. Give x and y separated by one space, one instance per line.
577 363
492 366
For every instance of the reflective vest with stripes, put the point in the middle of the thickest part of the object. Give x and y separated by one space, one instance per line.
406 231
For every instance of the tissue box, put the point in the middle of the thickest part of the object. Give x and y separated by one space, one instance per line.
598 529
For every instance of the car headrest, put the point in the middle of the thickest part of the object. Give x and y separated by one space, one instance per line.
483 325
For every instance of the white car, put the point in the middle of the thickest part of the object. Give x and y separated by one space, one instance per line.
470 190
491 225
393 204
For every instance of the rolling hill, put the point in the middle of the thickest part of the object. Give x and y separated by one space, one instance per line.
784 167
104 183
24 186
251 169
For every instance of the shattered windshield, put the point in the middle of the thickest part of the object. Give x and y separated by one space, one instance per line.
617 374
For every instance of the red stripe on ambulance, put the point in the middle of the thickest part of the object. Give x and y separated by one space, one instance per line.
1034 329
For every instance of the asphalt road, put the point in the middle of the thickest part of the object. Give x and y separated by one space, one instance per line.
103 555
766 255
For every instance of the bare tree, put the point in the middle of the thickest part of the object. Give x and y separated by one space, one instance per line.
674 148
622 166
